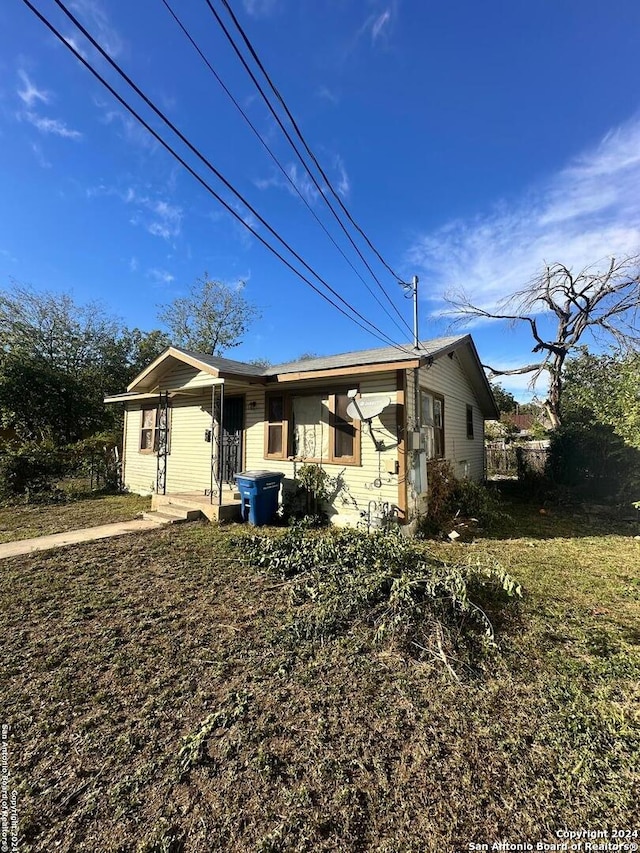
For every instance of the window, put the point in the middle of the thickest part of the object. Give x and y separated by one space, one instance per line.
344 431
150 429
469 421
275 428
310 427
432 411
313 427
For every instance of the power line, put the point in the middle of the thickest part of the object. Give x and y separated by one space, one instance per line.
252 50
296 149
275 159
201 180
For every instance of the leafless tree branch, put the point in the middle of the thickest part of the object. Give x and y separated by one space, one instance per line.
605 302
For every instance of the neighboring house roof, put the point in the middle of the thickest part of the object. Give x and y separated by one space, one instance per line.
326 366
522 422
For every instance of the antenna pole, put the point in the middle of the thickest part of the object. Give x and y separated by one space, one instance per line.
416 339
411 292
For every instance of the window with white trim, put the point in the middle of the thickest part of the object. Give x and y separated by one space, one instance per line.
432 420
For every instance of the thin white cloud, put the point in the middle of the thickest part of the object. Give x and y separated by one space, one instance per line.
51 126
156 215
586 212
133 264
165 219
39 155
73 42
160 276
303 182
131 130
261 8
298 178
343 185
379 24
29 92
96 20
327 94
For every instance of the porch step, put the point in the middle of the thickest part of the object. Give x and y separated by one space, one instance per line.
196 505
172 515
182 509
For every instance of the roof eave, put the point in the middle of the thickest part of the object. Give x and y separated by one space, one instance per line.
173 352
336 372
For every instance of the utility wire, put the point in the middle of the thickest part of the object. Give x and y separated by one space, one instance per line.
299 133
265 98
276 161
201 180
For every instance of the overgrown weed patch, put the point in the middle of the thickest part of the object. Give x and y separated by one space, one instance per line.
410 599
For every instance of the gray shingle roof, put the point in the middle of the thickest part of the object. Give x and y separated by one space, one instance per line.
381 355
368 356
225 365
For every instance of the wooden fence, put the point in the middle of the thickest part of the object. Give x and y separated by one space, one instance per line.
510 460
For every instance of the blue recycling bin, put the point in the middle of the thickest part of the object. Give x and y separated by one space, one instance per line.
259 492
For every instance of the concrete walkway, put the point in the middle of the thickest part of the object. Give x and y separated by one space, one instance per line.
72 537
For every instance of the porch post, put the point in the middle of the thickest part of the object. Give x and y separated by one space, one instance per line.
162 428
213 439
220 443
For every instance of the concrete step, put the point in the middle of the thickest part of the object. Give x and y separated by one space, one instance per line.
166 516
184 509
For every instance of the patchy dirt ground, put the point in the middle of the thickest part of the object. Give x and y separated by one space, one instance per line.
158 704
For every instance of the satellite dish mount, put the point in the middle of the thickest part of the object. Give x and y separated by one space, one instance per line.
366 410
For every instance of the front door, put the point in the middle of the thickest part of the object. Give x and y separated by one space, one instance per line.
232 427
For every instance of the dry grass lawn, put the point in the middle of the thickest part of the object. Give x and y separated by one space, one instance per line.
158 704
25 521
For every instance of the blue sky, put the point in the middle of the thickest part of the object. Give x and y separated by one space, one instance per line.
472 141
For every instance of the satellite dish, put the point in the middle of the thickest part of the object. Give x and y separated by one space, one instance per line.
364 410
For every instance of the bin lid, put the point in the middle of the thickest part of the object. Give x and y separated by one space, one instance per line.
257 475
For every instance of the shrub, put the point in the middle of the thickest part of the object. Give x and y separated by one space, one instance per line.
594 461
454 503
96 458
408 598
307 498
31 470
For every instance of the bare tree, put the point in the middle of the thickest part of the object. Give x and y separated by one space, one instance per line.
604 303
213 317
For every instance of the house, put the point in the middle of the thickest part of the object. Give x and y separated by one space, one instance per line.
370 418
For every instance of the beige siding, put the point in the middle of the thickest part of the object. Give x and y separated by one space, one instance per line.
356 482
189 458
139 468
446 377
183 376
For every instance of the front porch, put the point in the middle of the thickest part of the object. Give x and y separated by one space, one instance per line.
226 510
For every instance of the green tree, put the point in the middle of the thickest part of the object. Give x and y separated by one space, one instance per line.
39 402
59 358
54 329
212 318
605 389
505 400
